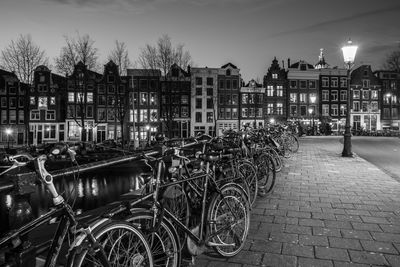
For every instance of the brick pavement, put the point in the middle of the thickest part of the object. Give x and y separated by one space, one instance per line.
326 210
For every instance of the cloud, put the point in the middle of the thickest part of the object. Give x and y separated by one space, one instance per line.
324 24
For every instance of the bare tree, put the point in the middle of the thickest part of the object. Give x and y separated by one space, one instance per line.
22 57
163 55
77 49
119 55
392 61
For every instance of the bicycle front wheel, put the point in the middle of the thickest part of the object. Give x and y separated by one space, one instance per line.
229 220
123 245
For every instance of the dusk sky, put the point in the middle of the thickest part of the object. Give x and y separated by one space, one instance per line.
248 33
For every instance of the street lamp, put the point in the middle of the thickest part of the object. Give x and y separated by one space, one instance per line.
148 134
389 96
349 53
312 112
8 133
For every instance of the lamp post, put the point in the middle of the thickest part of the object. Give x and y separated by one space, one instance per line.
148 134
312 112
8 133
349 53
389 96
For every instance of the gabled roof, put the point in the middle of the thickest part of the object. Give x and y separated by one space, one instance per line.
228 65
297 65
144 72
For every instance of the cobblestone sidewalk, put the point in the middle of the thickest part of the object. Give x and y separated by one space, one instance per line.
326 210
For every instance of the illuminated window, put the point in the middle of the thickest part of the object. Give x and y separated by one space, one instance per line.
42 102
50 115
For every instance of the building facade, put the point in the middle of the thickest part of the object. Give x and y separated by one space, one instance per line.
389 101
366 92
251 105
204 100
275 98
229 84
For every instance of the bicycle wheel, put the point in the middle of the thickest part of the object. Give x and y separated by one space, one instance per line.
293 143
229 220
164 240
175 200
123 245
249 174
276 159
266 172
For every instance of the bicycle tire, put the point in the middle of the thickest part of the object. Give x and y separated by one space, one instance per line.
111 235
267 173
220 201
249 173
164 242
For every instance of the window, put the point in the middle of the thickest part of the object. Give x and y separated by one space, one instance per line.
89 97
210 92
325 81
199 103
42 88
101 114
245 98
35 115
334 111
143 115
110 115
199 81
210 81
303 67
234 113
71 97
50 115
325 95
245 112
143 98
343 95
153 115
356 94
184 99
42 102
374 94
153 84
228 72
71 111
325 110
364 107
343 109
100 89
303 84
21 117
303 98
221 84
234 84
251 112
356 106
110 78
270 108
279 90
374 106
89 111
303 110
50 132
185 112
210 117
279 108
52 100
4 117
153 99
13 116
42 78
312 84
270 90
334 95
235 100
227 113
13 102
209 103
274 75
199 91
101 100
121 89
228 84
365 83
365 94
198 116
110 100
293 98
293 84
293 110
343 82
90 87
334 82
4 102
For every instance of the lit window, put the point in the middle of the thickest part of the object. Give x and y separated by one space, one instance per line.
13 116
71 97
89 97
35 115
50 115
274 76
52 100
334 82
42 102
32 100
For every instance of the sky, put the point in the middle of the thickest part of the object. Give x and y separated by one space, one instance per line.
247 33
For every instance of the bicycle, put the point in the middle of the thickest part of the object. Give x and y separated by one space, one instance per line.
103 239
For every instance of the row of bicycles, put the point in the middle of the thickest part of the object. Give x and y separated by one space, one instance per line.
197 194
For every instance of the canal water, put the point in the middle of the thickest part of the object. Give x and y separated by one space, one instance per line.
84 191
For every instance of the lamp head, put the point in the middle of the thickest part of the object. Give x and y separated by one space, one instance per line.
349 52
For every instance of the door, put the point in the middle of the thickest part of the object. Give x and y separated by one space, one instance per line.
20 139
39 137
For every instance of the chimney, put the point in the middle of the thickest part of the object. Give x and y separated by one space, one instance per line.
283 64
288 62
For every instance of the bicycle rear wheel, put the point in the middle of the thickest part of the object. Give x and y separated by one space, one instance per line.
123 245
266 173
249 175
229 220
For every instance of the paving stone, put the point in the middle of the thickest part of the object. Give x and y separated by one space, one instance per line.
334 211
275 260
298 250
338 224
286 220
312 240
266 246
380 247
367 257
366 226
356 234
265 228
326 231
390 228
247 257
357 212
298 229
307 262
349 264
220 264
345 243
350 218
284 237
393 260
311 209
388 237
299 214
323 216
328 253
380 220
311 222
397 246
